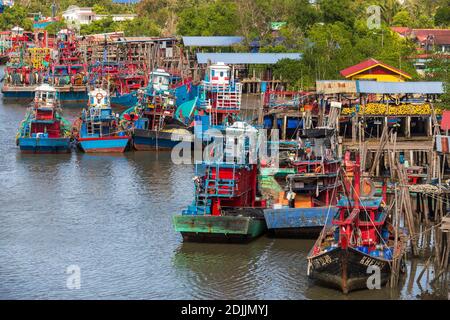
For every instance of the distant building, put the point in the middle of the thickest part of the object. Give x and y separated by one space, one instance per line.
430 43
86 15
375 70
81 15
437 40
116 17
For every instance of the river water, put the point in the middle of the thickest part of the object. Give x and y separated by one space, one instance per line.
110 217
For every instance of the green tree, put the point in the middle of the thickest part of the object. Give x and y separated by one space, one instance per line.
16 15
442 16
55 27
402 19
303 14
99 9
141 27
438 69
104 25
337 11
216 18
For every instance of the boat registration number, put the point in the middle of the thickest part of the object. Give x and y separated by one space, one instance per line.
366 261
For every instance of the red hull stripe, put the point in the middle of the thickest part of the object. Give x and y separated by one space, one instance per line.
105 150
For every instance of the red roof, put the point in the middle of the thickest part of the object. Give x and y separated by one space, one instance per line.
401 30
441 36
368 64
445 122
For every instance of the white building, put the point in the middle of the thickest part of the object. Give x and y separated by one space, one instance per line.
80 15
87 15
116 17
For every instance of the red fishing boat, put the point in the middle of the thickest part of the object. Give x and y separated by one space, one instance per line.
360 240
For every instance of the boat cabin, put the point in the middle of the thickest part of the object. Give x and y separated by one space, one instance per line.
45 97
160 80
44 123
99 98
218 74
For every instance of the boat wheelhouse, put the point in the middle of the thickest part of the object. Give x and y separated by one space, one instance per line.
44 130
98 129
303 188
220 97
158 122
227 206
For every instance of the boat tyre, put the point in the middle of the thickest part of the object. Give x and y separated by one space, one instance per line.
99 96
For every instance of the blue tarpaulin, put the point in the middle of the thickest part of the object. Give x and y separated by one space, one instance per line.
420 87
211 41
246 58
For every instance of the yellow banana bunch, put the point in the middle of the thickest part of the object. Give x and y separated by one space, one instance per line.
392 110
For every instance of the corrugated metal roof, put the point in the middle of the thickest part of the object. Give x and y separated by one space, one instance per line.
421 87
211 41
246 58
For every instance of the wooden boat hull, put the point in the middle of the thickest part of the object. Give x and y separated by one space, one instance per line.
222 229
126 100
303 223
145 140
104 144
44 145
346 270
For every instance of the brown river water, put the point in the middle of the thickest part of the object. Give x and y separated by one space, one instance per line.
111 216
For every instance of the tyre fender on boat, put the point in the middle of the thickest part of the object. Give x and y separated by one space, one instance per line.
99 96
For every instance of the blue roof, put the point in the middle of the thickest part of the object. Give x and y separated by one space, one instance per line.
211 41
246 58
421 87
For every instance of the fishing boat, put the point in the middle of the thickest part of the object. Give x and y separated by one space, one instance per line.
360 236
27 66
68 73
226 207
125 85
157 121
304 186
98 129
310 188
44 130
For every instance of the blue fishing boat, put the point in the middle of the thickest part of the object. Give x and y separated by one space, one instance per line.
306 185
226 206
44 130
98 129
125 85
159 121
